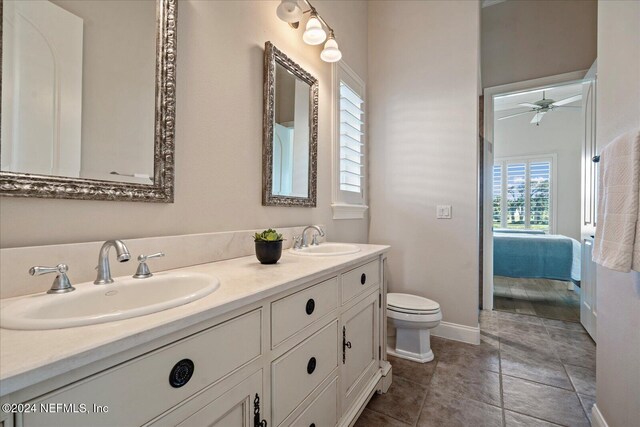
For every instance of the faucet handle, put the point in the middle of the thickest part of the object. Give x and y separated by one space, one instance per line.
144 258
297 242
143 269
61 284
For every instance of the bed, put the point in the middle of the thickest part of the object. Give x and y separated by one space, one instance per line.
549 256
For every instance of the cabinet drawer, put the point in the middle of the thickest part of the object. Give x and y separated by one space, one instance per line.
359 280
294 312
323 411
140 389
298 372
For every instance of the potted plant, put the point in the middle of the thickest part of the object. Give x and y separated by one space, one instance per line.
268 246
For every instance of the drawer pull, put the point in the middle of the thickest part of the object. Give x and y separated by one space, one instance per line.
312 425
311 365
181 373
345 345
257 422
311 305
363 279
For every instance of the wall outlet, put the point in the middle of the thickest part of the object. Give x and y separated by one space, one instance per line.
443 212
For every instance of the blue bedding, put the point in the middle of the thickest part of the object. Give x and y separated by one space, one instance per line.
536 256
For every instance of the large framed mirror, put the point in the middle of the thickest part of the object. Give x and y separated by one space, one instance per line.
88 99
290 135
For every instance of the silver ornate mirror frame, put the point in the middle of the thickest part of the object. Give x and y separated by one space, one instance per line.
271 56
33 185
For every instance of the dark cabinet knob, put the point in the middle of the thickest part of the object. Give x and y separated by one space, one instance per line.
181 373
363 279
311 305
311 365
312 425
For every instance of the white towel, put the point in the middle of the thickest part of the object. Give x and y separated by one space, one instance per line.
617 241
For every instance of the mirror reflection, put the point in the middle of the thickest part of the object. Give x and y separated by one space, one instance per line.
290 135
78 89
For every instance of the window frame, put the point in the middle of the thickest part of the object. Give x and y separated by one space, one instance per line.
552 158
347 204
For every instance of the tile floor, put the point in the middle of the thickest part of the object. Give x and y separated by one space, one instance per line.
538 297
527 371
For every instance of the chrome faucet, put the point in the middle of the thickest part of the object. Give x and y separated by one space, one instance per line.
314 241
104 272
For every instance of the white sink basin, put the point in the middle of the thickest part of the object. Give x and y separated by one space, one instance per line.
327 249
91 304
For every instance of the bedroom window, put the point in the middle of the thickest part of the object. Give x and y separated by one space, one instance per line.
349 165
523 193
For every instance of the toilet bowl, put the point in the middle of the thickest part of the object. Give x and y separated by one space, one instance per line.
412 317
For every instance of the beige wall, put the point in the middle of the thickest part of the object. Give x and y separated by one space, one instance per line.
423 103
528 39
618 294
218 135
559 132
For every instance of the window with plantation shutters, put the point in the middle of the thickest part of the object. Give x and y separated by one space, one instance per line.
523 193
349 153
351 141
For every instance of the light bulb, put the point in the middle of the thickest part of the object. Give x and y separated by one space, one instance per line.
289 11
331 53
314 34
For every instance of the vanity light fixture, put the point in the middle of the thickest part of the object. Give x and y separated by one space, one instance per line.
314 34
289 11
331 53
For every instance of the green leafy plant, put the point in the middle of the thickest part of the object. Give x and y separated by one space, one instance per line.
269 235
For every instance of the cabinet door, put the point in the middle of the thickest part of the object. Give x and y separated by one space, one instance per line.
233 409
360 347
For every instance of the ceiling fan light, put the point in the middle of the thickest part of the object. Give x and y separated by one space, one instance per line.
289 11
331 53
314 34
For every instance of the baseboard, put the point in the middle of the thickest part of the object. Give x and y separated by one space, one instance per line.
597 420
453 331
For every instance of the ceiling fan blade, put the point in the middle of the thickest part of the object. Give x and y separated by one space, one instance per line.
569 100
514 115
530 105
536 119
567 106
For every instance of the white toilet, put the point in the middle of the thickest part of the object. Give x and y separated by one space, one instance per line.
412 317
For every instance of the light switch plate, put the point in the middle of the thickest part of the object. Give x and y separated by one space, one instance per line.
443 212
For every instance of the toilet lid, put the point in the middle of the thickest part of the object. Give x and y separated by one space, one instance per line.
413 303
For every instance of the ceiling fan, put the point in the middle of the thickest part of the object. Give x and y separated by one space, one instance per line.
542 107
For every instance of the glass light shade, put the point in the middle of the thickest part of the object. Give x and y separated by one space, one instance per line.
331 53
289 11
314 33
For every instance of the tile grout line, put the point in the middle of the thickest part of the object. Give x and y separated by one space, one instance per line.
504 415
537 418
574 391
388 416
584 411
437 360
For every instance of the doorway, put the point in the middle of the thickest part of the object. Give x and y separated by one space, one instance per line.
531 197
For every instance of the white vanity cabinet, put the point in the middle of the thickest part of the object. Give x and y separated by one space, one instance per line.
310 355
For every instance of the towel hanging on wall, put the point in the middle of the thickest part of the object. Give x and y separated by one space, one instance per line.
617 242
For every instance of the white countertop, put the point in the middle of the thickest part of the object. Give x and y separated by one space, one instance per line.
29 357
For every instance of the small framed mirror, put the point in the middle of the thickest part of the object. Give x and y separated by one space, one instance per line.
290 132
88 99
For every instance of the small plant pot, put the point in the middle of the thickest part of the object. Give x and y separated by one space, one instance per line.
268 252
